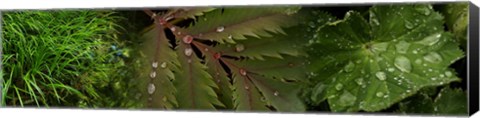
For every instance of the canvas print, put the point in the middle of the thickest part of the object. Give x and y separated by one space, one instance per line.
405 58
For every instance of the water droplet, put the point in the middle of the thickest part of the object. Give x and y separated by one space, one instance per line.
423 10
339 86
391 69
187 39
263 99
239 47
189 61
418 61
359 81
151 88
403 64
448 74
246 87
434 78
230 36
408 91
379 94
402 47
188 51
206 49
173 29
243 72
349 67
217 55
433 57
155 64
381 75
347 99
442 76
163 65
430 40
153 74
220 29
375 21
276 93
415 52
380 47
408 24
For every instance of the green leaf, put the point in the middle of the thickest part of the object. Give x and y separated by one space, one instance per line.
236 23
275 46
447 102
191 12
370 65
269 77
225 88
194 84
456 19
157 59
451 102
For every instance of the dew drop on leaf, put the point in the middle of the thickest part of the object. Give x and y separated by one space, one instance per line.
403 64
163 65
276 93
153 74
359 81
418 61
408 24
433 57
381 75
220 29
430 40
246 87
217 55
339 86
151 88
243 72
188 51
402 47
391 69
347 99
187 39
173 29
263 99
230 36
155 64
380 47
349 67
448 74
379 94
239 47
433 78
375 21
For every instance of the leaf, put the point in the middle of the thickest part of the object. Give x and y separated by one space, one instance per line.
156 51
456 19
225 88
235 23
451 102
191 12
194 84
274 46
448 102
269 78
370 65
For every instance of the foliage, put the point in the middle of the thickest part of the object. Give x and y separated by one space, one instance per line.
380 58
371 64
58 58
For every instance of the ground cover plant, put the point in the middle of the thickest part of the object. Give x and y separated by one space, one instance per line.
400 58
